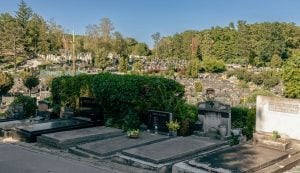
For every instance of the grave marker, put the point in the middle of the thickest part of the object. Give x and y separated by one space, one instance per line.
157 120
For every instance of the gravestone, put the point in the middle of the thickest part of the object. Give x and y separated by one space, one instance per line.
90 108
157 120
214 116
278 114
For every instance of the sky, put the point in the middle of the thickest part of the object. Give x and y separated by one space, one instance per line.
141 18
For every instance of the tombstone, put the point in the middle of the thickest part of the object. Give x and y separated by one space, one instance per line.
43 109
277 118
214 117
90 108
157 120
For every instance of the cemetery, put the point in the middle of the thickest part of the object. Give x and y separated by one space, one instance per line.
90 127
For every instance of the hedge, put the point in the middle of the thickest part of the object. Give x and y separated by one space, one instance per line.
125 98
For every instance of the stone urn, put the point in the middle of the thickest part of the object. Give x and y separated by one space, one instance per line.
173 133
222 130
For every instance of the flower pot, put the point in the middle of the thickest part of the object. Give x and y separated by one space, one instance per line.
173 133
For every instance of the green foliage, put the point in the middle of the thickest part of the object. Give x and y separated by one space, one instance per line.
123 65
213 65
125 98
6 83
133 133
173 125
252 97
198 86
291 77
276 61
101 59
242 117
275 135
31 81
29 105
193 68
234 140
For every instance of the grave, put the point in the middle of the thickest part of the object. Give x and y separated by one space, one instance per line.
271 112
214 118
162 155
157 120
107 147
29 133
275 148
89 107
238 159
71 138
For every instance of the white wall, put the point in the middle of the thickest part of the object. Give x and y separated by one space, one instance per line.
278 114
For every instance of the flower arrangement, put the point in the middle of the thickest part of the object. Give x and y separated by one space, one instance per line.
173 125
135 133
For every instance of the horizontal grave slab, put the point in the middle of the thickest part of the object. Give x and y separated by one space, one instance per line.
169 150
70 138
29 133
110 146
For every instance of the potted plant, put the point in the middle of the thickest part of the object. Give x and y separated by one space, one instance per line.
135 133
173 126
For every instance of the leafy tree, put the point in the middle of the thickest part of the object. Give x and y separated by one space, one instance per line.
6 83
291 77
123 65
137 66
101 58
29 105
276 61
156 37
193 68
106 28
140 49
213 65
30 82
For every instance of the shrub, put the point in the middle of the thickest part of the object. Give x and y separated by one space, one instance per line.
213 65
125 98
198 86
242 117
29 105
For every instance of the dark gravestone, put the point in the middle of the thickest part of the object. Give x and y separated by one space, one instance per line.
90 108
159 120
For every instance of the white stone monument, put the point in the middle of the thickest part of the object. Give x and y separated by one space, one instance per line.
278 114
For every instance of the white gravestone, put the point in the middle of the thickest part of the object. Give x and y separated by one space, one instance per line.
278 114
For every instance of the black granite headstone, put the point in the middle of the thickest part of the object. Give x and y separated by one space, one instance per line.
159 120
90 108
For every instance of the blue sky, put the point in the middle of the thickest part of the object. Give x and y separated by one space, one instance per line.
141 18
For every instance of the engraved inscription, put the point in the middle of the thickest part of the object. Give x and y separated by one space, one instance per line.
283 107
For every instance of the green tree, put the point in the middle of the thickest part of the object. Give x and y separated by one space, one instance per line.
6 83
29 105
30 82
156 37
193 68
276 61
213 65
291 77
123 64
137 66
101 59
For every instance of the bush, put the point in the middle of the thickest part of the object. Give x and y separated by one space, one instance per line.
29 105
125 98
198 86
242 117
213 65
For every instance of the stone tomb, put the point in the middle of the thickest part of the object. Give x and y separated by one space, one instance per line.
157 120
278 114
29 133
71 138
242 158
104 148
162 155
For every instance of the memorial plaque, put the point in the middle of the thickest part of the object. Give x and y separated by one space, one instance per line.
89 107
159 120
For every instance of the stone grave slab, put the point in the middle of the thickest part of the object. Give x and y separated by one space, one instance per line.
70 138
170 150
110 146
242 158
29 133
